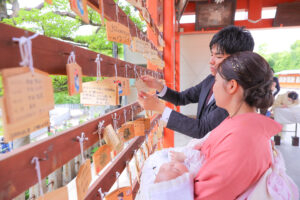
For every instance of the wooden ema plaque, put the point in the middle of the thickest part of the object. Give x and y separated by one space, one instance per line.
74 73
117 32
123 193
80 8
83 179
58 194
127 132
137 45
48 1
27 99
102 157
122 84
111 138
103 92
146 122
139 128
136 3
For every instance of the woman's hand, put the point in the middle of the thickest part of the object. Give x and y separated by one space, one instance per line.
152 83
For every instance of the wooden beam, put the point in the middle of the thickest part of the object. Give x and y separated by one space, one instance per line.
180 8
17 172
288 14
189 28
51 55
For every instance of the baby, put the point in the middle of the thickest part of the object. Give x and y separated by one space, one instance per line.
169 173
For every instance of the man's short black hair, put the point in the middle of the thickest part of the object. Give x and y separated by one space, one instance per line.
232 39
293 95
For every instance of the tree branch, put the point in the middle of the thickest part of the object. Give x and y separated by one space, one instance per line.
72 15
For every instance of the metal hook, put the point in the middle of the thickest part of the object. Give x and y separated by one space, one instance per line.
100 127
115 120
102 194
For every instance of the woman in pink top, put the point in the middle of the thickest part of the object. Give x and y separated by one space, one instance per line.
237 152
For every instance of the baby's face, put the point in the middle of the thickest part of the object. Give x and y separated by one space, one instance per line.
170 171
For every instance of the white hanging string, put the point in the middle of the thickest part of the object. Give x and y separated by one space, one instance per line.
135 72
25 46
136 30
102 10
71 58
129 27
81 140
117 11
129 173
100 127
126 71
98 61
102 194
115 121
117 178
35 160
132 112
116 70
125 120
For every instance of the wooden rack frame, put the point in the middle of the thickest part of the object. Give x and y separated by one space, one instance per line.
51 55
17 172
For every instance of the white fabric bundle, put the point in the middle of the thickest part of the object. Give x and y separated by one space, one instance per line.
181 187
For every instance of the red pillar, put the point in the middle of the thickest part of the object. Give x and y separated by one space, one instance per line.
169 58
177 63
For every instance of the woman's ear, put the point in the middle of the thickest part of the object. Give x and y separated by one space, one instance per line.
232 86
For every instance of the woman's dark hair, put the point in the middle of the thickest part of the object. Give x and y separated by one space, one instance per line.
253 73
293 95
232 39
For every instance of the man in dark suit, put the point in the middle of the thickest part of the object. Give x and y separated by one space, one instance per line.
227 41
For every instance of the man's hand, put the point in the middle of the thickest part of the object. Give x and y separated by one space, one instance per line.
152 83
151 102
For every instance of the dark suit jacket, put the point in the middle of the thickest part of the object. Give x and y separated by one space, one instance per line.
208 116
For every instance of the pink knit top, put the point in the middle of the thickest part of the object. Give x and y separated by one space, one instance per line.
237 153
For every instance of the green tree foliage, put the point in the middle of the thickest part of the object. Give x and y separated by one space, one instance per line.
59 21
286 60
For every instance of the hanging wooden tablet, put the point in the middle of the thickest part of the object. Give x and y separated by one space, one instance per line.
102 157
123 193
122 84
117 32
83 179
74 74
161 41
111 138
48 1
160 129
143 153
127 132
58 194
146 122
80 8
137 45
146 52
146 15
28 97
136 3
103 92
139 128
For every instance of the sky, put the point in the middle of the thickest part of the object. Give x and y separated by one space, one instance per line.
277 39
